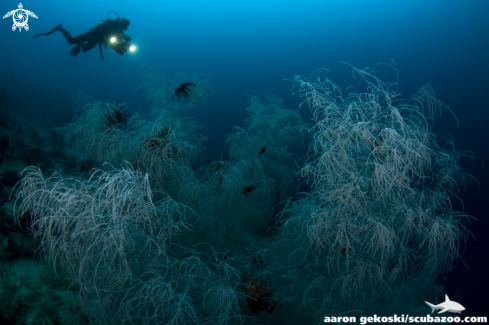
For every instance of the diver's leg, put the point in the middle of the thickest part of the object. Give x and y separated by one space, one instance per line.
79 41
74 40
71 40
74 51
88 45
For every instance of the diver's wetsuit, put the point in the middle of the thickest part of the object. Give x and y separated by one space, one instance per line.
97 35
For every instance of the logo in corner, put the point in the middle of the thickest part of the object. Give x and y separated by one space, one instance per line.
448 305
20 17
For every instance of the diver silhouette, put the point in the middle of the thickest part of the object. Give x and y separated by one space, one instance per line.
109 33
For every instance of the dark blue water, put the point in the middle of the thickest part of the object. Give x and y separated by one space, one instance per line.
250 47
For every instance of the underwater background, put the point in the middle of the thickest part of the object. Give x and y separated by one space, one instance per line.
253 202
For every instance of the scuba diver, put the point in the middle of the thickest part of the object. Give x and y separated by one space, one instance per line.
109 33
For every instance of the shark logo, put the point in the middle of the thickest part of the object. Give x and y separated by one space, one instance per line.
448 305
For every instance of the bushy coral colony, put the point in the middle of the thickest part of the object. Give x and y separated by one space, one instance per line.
151 232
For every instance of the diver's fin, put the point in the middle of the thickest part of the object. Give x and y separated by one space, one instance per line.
74 51
55 29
